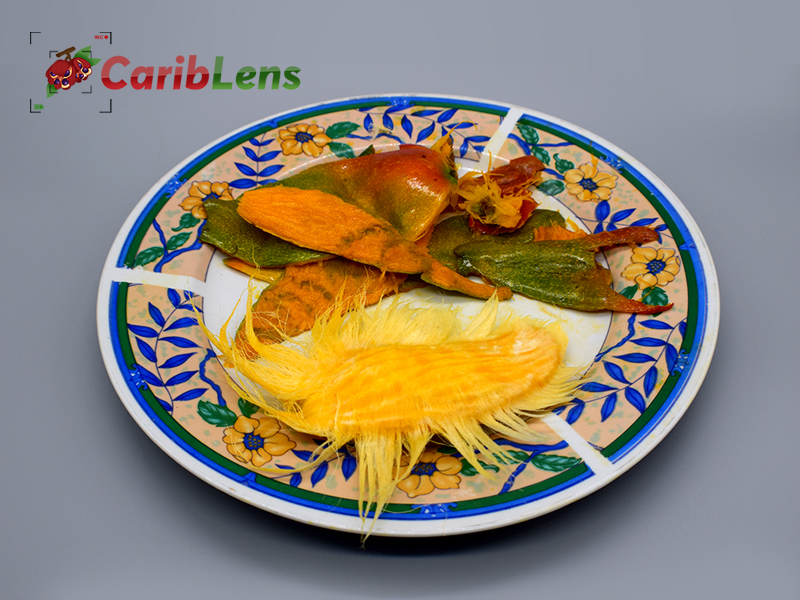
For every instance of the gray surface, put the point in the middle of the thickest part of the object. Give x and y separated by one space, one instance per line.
706 95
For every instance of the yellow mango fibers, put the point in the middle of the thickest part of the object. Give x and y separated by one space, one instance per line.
387 380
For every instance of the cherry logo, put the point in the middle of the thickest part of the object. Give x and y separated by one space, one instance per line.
66 72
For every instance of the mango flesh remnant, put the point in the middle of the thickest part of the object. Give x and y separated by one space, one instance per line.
389 379
292 304
323 222
561 272
229 232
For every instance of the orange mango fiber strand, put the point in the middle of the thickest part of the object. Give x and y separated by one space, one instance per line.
389 379
321 221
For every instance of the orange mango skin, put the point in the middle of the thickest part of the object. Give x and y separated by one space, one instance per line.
321 221
409 187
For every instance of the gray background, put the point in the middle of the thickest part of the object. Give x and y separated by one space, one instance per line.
704 94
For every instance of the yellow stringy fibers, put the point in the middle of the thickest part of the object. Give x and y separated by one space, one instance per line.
389 379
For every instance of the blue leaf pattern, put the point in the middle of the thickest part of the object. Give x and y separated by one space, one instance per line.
175 361
155 314
446 115
407 125
242 184
190 395
268 156
602 210
180 378
655 324
149 377
593 386
319 474
304 455
575 412
246 170
425 132
174 297
608 407
143 331
270 170
672 357
635 398
636 357
425 112
649 342
650 380
179 342
146 350
251 154
615 371
348 466
621 215
182 323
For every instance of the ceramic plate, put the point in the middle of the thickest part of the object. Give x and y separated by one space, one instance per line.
645 369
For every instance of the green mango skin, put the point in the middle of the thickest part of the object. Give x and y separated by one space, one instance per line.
229 232
455 231
409 187
562 272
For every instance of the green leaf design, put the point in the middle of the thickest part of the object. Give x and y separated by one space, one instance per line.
214 414
188 220
529 134
85 53
51 90
248 409
542 154
342 150
655 296
368 150
629 292
554 462
562 165
467 470
551 187
341 129
147 256
176 241
517 456
489 467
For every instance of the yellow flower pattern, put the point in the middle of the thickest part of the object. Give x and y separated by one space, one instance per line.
650 267
588 184
256 441
303 138
433 471
202 191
